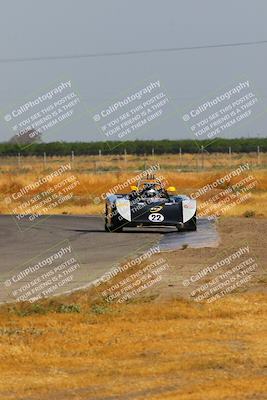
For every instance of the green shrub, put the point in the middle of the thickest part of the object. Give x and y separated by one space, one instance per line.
249 214
69 308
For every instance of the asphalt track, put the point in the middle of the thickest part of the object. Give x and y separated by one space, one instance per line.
94 250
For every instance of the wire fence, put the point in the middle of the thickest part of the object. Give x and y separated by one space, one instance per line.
130 162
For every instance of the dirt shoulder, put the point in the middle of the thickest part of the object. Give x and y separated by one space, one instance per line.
157 346
236 265
247 234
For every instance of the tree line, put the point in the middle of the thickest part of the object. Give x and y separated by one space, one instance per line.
139 147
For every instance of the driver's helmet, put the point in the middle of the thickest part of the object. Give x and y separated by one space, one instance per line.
148 186
151 193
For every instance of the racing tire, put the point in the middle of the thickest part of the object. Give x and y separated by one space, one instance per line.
189 226
111 227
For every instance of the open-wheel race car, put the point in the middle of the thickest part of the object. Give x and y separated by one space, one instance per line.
150 204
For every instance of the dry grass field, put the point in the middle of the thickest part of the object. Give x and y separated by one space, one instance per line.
154 347
96 176
173 350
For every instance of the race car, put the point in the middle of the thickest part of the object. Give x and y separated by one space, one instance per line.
150 204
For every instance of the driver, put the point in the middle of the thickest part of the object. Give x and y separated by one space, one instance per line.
151 193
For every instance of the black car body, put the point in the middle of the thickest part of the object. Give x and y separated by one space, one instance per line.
149 204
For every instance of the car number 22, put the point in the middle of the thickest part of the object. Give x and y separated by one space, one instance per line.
156 217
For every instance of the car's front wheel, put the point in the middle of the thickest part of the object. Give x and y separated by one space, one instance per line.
110 223
188 226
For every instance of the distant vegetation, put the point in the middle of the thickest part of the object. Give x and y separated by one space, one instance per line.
139 147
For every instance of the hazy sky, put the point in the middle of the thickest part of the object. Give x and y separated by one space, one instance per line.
34 28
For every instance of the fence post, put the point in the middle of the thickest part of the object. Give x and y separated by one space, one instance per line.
99 157
19 160
202 157
72 157
153 153
258 155
125 156
180 157
230 155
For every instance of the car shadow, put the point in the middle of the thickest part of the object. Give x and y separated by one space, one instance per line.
125 231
